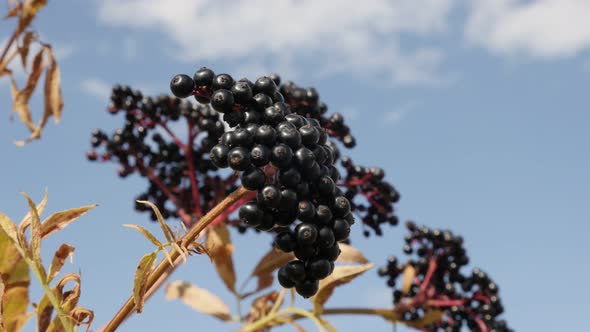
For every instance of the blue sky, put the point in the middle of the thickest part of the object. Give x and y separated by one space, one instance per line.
477 110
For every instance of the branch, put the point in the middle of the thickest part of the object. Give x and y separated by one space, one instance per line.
154 279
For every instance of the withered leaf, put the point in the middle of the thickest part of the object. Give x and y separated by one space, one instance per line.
220 249
349 254
59 260
8 227
15 276
62 219
28 12
146 264
408 279
165 228
341 275
431 316
263 304
273 259
69 299
82 316
199 299
23 50
21 101
35 245
26 221
145 233
14 10
44 313
53 100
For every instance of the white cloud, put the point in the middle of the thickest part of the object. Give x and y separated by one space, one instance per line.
96 88
541 28
339 36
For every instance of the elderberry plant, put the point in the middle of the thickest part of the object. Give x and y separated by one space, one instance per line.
436 283
278 141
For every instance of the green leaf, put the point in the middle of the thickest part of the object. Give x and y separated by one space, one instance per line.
146 264
8 227
16 279
35 245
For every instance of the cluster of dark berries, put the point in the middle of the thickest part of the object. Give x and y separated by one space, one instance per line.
179 173
470 300
374 205
288 160
306 102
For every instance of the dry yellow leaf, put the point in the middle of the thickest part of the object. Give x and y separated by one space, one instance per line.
341 275
220 249
199 299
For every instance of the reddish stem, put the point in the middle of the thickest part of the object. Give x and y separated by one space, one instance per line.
481 297
445 303
248 196
174 137
431 268
482 326
356 181
188 153
149 173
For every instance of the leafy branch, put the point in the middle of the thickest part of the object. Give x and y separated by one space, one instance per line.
43 61
14 241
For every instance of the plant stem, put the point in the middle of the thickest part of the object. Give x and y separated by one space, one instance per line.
63 316
164 266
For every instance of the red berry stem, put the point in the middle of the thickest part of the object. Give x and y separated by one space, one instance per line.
431 268
188 153
149 173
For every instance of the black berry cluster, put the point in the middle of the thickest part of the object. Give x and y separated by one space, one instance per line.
467 300
306 102
371 197
287 159
179 169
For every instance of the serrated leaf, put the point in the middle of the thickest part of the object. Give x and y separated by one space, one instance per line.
408 279
146 264
271 261
220 250
165 228
15 275
341 275
26 221
35 242
62 219
59 260
52 92
145 233
199 299
349 254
